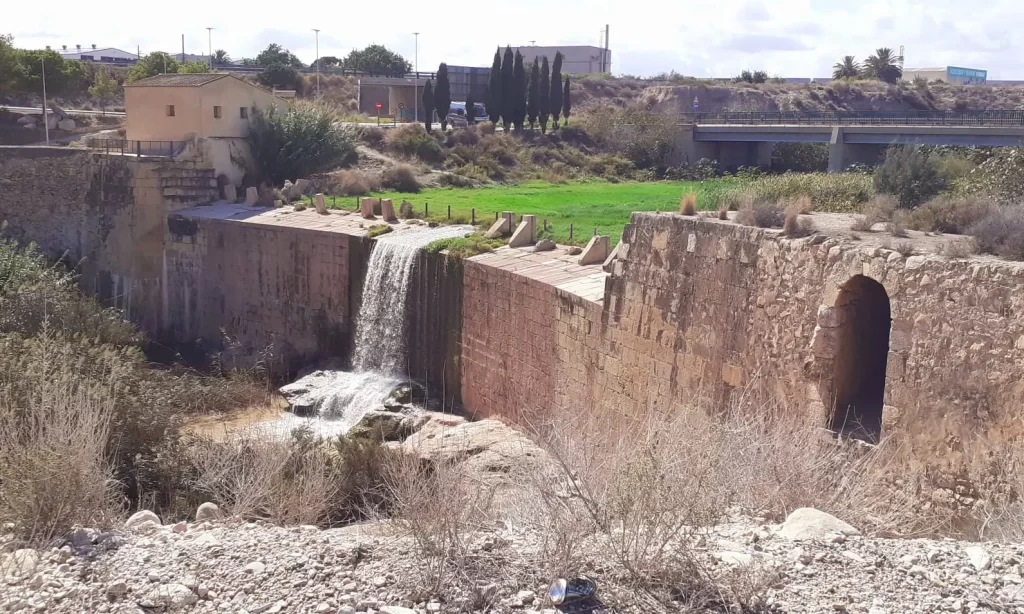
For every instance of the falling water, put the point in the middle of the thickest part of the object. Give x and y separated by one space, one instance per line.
379 363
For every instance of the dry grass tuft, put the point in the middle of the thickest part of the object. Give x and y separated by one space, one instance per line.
795 226
401 178
762 215
723 211
354 183
688 204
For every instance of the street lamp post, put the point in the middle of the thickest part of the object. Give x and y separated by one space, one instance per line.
416 79
46 124
317 62
209 40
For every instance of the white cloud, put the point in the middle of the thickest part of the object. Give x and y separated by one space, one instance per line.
700 37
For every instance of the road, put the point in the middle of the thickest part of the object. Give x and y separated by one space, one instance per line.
39 111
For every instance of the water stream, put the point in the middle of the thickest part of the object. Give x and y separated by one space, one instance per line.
380 355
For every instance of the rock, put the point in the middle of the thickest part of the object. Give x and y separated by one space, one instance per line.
26 120
394 609
380 581
979 557
544 245
734 558
255 567
405 210
180 527
153 576
488 447
383 426
286 190
173 596
22 563
574 251
138 518
526 597
116 590
302 187
809 523
81 538
208 511
66 124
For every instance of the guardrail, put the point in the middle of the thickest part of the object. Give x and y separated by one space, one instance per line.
1010 117
153 149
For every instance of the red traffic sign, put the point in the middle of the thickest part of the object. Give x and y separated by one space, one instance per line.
379 105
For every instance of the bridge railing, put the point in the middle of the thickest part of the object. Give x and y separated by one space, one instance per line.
156 149
1010 117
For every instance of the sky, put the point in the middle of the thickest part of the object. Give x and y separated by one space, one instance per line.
703 38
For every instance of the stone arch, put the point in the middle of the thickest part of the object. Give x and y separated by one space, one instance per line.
859 366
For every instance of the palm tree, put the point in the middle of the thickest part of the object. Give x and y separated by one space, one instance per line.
883 66
848 68
221 57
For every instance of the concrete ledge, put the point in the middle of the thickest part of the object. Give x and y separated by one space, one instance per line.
526 233
596 251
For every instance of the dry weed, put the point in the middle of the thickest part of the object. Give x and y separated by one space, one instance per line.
795 226
688 204
723 211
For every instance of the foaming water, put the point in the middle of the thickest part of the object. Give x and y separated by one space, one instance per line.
381 348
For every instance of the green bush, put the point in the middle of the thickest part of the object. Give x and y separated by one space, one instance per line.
465 247
835 192
800 157
279 76
412 140
1000 177
299 140
378 229
910 175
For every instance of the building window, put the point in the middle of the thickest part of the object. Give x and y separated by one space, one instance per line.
170 110
243 112
216 112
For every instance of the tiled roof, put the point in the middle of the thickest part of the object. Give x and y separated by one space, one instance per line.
179 80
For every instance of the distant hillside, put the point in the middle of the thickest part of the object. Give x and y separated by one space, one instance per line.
830 96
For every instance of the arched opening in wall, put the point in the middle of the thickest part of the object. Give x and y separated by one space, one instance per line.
858 381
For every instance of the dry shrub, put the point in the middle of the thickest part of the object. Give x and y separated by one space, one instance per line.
1000 232
439 506
688 204
862 223
896 229
762 215
795 226
881 208
372 136
53 462
956 249
413 140
355 183
949 214
401 178
904 248
723 211
485 128
462 136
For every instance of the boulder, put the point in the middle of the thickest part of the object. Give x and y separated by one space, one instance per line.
27 120
170 596
809 523
394 609
139 518
20 564
116 590
737 559
405 210
286 190
302 187
208 511
66 124
574 251
979 557
81 538
544 245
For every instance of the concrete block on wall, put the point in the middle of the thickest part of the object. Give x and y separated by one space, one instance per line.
252 195
501 227
387 210
596 251
230 194
321 203
526 233
366 208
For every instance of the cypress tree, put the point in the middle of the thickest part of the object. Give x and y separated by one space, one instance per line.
507 89
443 96
519 88
544 96
556 89
493 99
533 99
566 101
470 109
428 105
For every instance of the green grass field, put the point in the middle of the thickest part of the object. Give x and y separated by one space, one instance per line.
601 205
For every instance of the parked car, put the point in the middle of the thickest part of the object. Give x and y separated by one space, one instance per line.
457 114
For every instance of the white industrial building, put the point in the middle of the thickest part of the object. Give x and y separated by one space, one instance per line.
948 74
108 55
576 59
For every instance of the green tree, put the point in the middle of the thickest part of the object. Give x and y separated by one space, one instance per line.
10 68
544 98
533 94
566 101
443 96
298 140
327 61
883 66
276 54
519 92
376 59
428 105
556 89
249 62
221 58
279 76
746 76
63 77
493 100
193 67
909 174
847 68
507 89
104 89
470 109
156 63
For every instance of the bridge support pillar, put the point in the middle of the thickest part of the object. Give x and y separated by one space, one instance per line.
841 155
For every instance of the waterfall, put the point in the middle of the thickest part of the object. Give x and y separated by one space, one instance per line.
380 354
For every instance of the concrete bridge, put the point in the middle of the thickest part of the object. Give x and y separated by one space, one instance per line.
746 139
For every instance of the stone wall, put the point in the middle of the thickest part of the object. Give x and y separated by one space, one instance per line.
262 285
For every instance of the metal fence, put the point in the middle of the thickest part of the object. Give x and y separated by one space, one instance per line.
155 149
1014 117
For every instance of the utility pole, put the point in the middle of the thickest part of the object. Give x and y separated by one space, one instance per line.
182 48
209 40
416 79
606 66
46 124
317 62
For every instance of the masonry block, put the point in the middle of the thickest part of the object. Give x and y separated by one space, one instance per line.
387 210
320 203
230 194
596 251
366 208
501 227
252 195
526 233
